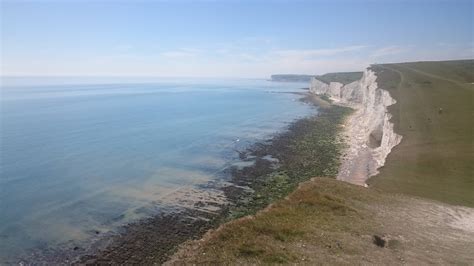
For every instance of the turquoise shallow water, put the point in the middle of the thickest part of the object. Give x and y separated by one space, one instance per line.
76 159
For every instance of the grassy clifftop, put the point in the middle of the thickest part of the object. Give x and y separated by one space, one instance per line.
433 113
341 77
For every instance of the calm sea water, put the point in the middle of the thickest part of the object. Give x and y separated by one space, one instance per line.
76 159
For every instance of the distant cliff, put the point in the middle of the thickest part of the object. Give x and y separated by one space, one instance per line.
291 78
344 77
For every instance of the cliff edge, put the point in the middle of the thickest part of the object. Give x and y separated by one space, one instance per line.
368 131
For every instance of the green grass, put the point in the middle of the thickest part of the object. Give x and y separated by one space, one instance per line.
316 214
326 98
343 77
435 158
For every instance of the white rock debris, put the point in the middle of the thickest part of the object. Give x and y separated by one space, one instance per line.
369 132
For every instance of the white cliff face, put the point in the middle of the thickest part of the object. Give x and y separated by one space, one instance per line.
332 90
368 131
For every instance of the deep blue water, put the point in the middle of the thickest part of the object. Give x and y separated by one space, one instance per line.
76 159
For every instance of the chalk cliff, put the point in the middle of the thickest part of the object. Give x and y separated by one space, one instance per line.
369 132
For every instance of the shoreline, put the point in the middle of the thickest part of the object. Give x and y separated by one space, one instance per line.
272 169
275 172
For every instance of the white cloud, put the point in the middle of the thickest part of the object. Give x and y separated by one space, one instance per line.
389 50
177 54
123 47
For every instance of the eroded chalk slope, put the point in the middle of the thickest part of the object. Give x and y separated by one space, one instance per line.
368 132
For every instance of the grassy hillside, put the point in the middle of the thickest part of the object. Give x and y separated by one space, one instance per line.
330 222
434 113
342 77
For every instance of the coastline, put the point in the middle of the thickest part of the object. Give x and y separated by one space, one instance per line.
333 222
337 142
281 192
310 146
320 145
332 143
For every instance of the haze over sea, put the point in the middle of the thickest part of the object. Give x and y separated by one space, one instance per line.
81 159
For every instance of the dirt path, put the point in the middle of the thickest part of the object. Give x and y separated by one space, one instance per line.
430 75
428 232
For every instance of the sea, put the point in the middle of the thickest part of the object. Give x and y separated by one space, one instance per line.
83 156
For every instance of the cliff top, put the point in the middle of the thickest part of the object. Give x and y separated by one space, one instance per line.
341 77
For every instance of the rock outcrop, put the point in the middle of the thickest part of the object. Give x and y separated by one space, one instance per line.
369 132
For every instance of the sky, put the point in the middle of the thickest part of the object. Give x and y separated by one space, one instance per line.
251 39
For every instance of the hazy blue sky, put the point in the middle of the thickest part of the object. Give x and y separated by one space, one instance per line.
227 38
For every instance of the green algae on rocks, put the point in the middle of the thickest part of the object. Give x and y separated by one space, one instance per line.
311 147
